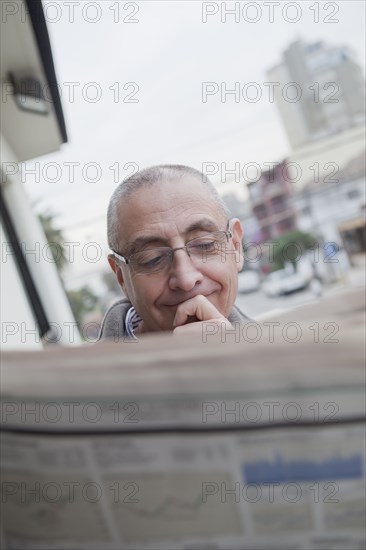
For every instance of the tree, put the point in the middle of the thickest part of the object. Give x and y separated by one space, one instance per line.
290 247
55 239
82 300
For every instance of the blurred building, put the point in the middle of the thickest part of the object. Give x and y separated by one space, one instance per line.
323 160
270 201
242 209
334 211
319 90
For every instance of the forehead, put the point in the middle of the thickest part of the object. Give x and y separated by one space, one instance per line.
167 209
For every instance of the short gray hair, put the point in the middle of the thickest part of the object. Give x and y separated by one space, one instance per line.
148 177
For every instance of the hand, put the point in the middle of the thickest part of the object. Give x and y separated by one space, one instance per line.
201 309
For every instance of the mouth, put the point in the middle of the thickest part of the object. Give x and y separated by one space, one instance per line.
176 304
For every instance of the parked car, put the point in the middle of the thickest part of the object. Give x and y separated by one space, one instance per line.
284 281
248 281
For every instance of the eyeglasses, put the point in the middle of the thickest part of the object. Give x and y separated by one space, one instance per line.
154 260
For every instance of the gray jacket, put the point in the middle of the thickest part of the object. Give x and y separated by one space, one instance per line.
113 324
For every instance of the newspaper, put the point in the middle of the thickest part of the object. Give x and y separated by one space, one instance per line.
249 442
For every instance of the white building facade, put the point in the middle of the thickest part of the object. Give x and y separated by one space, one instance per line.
34 306
319 91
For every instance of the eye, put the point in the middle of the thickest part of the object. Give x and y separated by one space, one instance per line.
207 246
204 245
149 259
153 261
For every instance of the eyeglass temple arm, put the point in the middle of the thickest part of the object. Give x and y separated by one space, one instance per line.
229 229
119 257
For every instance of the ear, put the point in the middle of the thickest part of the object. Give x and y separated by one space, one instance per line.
117 270
238 233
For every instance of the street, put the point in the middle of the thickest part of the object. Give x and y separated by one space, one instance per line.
257 303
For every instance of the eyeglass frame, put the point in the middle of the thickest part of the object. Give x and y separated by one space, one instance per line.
228 232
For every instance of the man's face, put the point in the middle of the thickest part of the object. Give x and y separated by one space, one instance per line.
170 215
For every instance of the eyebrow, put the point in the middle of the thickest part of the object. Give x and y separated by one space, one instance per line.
204 224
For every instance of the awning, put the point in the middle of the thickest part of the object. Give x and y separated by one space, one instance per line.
351 225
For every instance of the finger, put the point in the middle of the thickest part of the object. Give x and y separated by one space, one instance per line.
199 307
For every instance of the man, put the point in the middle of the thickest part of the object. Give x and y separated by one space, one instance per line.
175 254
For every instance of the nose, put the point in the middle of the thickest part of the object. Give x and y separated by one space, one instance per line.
183 274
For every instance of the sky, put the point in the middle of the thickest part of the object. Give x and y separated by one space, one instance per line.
131 76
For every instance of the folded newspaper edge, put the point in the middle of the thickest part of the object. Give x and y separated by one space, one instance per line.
255 440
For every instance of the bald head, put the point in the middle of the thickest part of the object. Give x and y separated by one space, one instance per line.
155 175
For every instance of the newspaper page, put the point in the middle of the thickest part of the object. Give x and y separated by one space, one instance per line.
174 443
